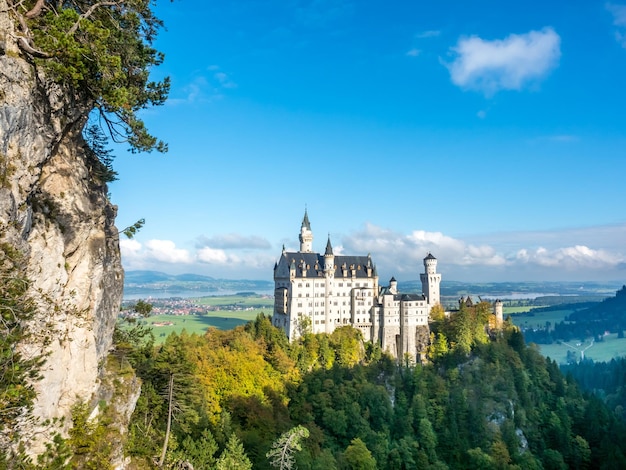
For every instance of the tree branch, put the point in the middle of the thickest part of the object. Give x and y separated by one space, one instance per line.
36 10
89 12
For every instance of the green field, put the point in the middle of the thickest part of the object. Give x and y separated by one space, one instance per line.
198 323
538 319
611 347
238 300
226 313
513 310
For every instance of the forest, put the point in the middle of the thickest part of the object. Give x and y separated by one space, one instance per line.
482 398
590 320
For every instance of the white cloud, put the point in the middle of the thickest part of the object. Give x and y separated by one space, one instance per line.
591 253
130 247
504 64
571 257
618 12
428 34
224 80
619 20
413 52
166 251
506 256
212 256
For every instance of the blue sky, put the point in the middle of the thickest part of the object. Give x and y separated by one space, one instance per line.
490 133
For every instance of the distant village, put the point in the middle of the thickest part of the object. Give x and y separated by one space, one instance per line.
181 306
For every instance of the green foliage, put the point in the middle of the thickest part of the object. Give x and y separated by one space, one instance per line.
99 156
281 455
103 52
18 369
89 440
358 456
502 405
132 230
233 457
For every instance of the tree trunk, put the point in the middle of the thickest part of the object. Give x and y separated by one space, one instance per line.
169 420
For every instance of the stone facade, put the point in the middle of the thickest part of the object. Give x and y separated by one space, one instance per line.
317 293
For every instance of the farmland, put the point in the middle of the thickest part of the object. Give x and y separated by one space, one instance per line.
197 315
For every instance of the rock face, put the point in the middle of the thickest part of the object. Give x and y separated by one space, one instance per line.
59 216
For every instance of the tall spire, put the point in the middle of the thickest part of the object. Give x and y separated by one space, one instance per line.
305 221
306 235
329 247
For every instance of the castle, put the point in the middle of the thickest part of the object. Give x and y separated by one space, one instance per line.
317 293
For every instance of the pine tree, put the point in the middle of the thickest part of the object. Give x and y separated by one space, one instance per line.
282 452
234 456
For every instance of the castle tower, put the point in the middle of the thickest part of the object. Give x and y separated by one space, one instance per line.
431 280
329 275
306 235
329 260
497 311
393 285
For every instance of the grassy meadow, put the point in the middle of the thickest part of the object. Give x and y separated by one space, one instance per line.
227 313
611 347
536 318
163 325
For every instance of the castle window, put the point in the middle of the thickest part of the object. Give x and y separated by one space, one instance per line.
307 284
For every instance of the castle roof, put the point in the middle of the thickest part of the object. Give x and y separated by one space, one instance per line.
312 265
329 247
386 290
430 256
305 222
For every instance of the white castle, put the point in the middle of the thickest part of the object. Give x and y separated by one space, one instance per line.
317 293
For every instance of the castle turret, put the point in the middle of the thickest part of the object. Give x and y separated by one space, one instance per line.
306 235
498 312
431 280
329 258
393 285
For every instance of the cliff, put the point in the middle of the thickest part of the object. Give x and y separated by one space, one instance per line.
57 213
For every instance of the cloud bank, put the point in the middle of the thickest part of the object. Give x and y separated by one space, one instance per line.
511 63
594 253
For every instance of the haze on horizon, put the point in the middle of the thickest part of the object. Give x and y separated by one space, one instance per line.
489 134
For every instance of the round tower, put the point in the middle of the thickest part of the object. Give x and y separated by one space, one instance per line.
329 259
306 235
498 312
393 285
430 280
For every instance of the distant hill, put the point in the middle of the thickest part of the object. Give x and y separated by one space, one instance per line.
147 277
532 289
610 313
140 282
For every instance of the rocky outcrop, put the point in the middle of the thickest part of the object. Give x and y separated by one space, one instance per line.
59 216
